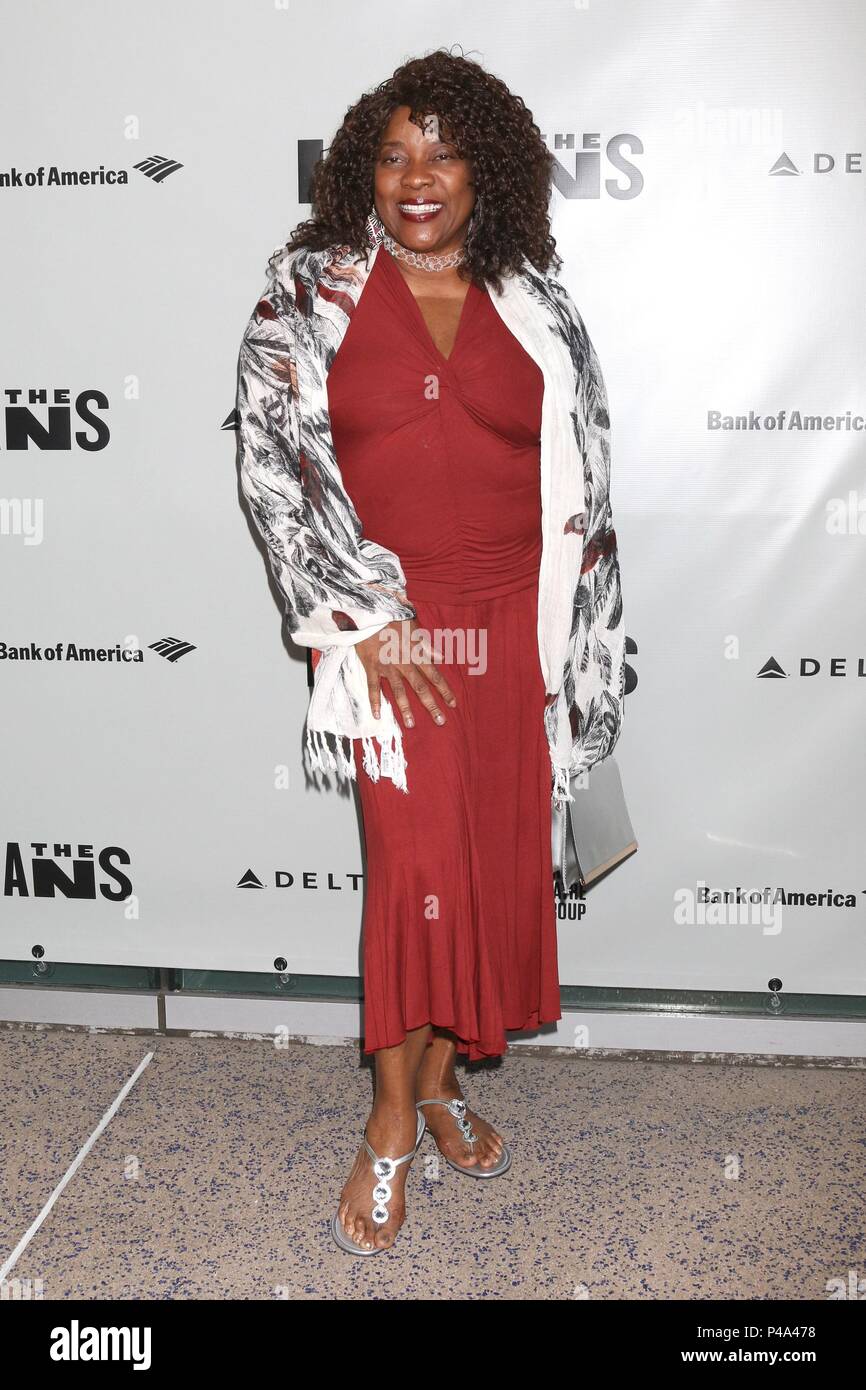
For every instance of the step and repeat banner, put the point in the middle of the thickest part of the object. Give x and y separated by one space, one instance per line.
709 208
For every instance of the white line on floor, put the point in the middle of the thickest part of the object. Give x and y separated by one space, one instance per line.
74 1166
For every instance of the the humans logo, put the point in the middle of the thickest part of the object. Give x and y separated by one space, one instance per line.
47 877
75 1343
586 180
48 426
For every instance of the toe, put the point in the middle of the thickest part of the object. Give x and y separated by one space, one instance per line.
355 1225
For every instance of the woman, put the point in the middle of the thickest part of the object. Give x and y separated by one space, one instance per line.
424 447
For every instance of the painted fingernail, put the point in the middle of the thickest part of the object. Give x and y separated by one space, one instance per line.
410 722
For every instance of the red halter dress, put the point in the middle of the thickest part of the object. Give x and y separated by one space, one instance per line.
440 457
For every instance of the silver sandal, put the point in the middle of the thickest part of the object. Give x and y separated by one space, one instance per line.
383 1169
457 1108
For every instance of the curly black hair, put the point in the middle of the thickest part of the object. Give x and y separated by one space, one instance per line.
489 125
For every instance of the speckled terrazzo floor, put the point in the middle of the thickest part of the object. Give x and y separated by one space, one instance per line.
218 1175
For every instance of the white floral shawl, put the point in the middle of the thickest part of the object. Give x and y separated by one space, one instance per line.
340 586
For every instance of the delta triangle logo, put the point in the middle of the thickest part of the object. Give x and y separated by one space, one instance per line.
784 166
250 880
771 670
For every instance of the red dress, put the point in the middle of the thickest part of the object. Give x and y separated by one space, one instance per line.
440 457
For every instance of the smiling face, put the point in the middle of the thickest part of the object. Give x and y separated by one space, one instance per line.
423 192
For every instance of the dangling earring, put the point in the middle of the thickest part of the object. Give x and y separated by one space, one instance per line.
472 229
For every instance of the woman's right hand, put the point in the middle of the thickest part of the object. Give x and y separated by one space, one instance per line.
417 670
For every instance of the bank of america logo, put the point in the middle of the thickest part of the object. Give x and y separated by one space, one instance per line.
172 648
157 167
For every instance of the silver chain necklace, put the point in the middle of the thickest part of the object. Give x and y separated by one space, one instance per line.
423 260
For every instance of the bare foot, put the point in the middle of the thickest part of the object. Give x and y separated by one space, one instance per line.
390 1134
444 1127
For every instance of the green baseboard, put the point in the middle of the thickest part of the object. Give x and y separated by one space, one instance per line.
74 975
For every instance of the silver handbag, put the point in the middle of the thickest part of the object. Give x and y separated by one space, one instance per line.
592 834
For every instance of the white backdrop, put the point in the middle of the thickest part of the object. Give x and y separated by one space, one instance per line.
713 287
